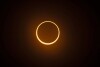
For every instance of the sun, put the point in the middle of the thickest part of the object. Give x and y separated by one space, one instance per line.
45 43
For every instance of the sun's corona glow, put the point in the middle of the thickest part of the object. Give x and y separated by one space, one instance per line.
43 41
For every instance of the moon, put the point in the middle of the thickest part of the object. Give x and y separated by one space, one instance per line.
45 43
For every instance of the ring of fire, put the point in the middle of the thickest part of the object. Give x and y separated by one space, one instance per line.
43 41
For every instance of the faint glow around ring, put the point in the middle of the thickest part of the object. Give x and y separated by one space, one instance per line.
43 41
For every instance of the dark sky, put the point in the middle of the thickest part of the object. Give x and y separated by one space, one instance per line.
77 46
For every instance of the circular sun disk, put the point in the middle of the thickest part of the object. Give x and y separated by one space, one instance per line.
45 42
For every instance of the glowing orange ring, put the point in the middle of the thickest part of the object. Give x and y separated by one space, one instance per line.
45 42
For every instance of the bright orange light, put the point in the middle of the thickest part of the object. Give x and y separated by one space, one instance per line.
45 42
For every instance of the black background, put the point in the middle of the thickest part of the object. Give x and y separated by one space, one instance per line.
79 46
